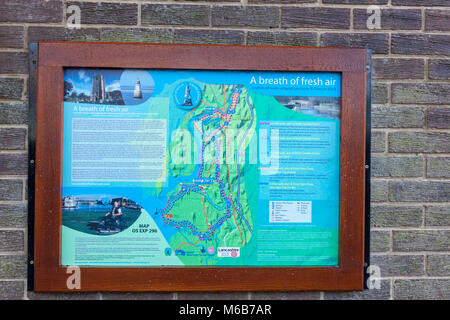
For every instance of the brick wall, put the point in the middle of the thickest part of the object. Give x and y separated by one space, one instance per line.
410 227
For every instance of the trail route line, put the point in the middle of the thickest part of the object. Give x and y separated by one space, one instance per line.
210 202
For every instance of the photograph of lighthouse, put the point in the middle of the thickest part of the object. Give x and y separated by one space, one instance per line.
136 86
187 100
107 86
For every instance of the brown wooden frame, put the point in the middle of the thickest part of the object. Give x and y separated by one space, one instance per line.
49 275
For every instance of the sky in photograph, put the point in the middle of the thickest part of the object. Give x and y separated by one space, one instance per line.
82 79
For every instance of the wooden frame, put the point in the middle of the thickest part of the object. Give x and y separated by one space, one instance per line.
46 200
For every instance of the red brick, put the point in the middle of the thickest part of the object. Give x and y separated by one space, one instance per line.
209 36
12 138
439 69
14 163
282 38
175 14
428 3
437 20
352 2
31 11
387 68
13 62
438 118
378 42
391 19
248 16
435 44
61 34
11 37
107 13
317 18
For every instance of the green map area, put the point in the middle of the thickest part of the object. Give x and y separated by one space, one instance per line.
212 211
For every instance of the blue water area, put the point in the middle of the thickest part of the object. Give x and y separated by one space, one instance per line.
92 208
311 112
103 208
129 99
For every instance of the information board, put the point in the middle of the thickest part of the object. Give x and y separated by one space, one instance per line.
158 167
200 168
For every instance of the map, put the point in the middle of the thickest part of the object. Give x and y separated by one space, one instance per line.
213 208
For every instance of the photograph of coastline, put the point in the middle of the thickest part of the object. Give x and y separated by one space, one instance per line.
100 215
326 107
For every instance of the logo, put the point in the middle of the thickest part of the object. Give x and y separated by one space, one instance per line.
228 252
187 95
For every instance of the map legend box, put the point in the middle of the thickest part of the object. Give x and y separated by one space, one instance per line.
290 211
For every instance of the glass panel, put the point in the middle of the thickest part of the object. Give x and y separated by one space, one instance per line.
200 168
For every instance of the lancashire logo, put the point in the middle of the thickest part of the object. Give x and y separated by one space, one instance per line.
228 252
